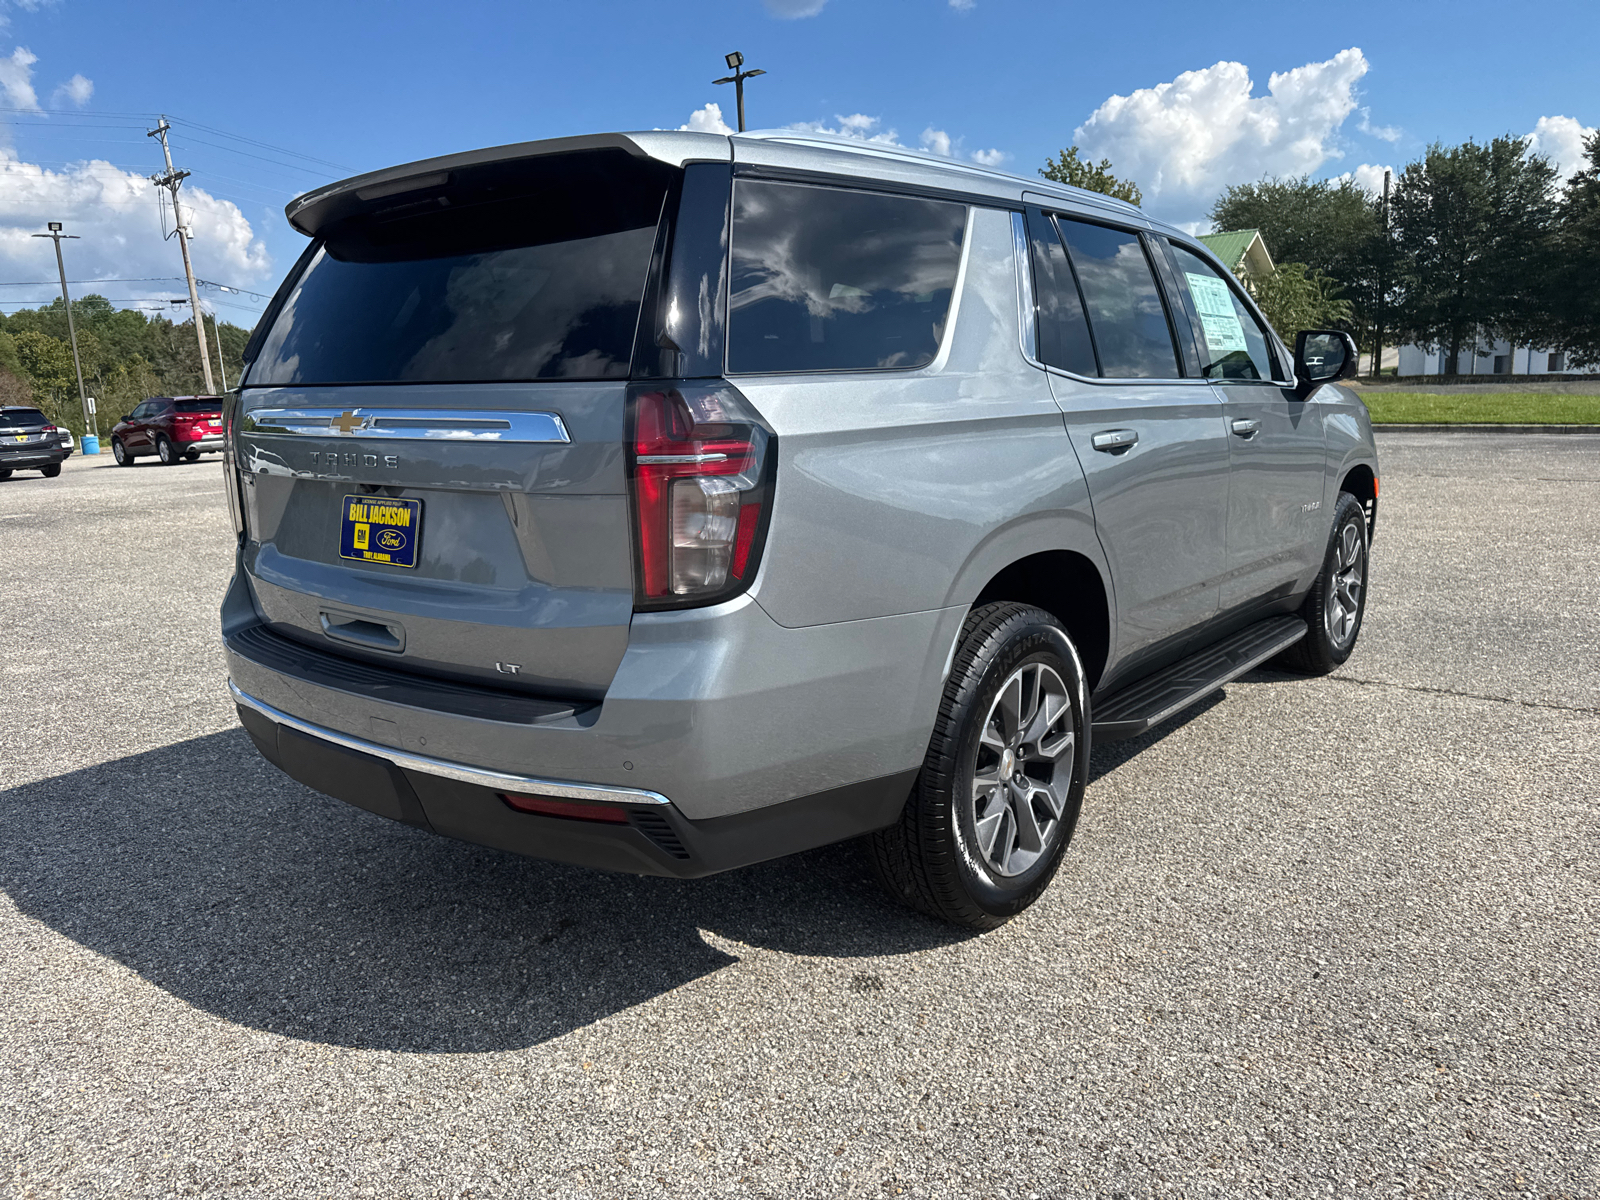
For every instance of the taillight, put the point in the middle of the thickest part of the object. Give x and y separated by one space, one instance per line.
231 483
48 429
701 460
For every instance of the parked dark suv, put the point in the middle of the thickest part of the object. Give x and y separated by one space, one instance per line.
30 441
171 428
667 502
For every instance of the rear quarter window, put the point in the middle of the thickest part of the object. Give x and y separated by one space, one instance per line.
828 279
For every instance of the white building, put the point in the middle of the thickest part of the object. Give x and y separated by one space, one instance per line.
1502 359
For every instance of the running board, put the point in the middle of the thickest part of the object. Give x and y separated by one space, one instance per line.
1150 701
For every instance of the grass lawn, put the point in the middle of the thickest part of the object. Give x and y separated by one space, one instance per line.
1494 408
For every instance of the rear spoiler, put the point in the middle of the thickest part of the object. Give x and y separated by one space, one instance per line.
315 210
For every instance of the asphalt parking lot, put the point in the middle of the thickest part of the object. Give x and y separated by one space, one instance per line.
1314 937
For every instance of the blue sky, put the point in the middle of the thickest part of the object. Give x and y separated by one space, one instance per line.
1365 85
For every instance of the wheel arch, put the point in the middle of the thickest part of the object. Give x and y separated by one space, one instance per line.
1070 587
1361 481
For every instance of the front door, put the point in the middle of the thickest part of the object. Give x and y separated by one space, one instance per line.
1276 526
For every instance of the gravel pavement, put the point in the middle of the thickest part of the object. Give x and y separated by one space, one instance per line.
1314 937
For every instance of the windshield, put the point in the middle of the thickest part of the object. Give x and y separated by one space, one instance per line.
520 272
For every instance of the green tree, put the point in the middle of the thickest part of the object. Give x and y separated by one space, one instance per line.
1294 297
1472 228
1068 168
1572 309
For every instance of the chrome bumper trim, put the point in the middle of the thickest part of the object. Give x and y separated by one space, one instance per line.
480 776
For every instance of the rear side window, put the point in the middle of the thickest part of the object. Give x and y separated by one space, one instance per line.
1125 311
197 406
1063 327
23 416
1231 340
521 271
825 279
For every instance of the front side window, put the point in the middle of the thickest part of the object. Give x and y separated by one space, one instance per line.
526 271
1126 315
1232 342
825 279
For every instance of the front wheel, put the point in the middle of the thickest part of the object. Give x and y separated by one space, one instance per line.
1002 784
120 453
51 471
5 472
1334 607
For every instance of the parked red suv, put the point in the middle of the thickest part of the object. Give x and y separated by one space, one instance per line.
170 427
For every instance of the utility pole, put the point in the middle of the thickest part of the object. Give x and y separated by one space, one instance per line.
735 61
1383 259
222 367
173 179
56 235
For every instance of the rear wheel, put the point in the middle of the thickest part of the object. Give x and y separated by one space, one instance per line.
1338 599
191 455
120 453
166 451
1000 790
51 471
5 472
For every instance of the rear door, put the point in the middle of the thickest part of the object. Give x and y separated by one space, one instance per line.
1150 440
431 431
1276 528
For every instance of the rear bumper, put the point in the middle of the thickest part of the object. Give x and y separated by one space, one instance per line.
206 445
22 460
652 837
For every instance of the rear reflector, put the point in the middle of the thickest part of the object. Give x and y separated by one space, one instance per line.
575 810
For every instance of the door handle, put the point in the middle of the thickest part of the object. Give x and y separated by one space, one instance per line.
1115 441
357 632
1245 428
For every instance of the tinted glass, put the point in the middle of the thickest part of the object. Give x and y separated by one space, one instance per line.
1231 340
831 280
1125 312
528 271
23 416
197 406
1063 327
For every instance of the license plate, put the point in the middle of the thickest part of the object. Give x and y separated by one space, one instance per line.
378 529
22 437
214 423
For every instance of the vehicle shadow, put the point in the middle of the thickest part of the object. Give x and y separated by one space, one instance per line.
217 878
1107 757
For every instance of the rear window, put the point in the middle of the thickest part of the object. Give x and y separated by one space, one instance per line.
518 271
197 406
23 416
826 279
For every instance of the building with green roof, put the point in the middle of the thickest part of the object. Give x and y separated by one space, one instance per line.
1241 250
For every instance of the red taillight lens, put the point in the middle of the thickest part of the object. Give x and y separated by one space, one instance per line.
48 429
701 461
575 810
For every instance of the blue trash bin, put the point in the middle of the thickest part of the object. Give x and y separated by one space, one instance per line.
89 444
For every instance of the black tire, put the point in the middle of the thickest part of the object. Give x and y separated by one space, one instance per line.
166 451
933 859
1334 608
191 455
5 472
51 471
120 453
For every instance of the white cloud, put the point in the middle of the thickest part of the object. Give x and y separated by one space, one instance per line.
75 91
1183 141
791 10
989 158
115 215
856 125
1369 177
1560 139
1387 133
16 79
707 120
963 5
936 140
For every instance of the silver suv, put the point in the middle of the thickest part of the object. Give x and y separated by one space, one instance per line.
667 502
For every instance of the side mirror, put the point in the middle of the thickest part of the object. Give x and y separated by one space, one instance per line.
1323 356
125 417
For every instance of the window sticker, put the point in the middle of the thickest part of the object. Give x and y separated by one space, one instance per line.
1224 334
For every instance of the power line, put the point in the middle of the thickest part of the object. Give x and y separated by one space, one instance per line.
268 146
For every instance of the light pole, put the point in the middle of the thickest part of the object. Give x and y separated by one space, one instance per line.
56 235
735 61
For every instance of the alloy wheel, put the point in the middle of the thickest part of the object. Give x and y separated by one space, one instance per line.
1343 607
1026 751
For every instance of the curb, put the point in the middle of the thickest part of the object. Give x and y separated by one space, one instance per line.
1378 427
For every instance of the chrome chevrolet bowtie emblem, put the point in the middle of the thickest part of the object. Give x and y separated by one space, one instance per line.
349 422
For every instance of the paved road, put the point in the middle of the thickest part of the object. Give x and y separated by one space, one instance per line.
1318 937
